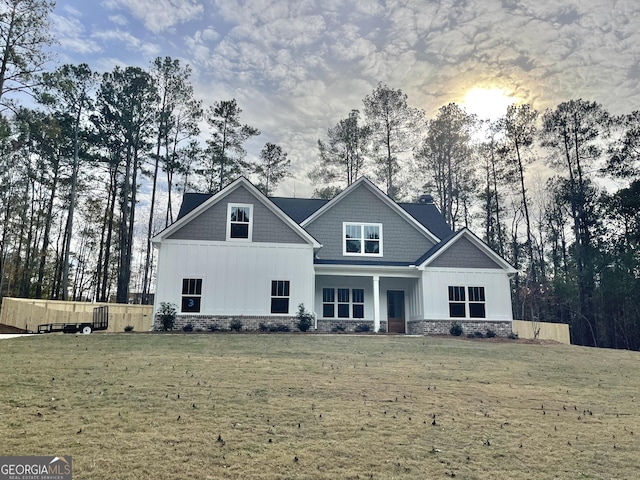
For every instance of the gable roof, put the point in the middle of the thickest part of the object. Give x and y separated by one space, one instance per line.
429 216
197 203
298 208
191 201
431 255
364 182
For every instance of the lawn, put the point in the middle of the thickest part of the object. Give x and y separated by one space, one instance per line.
217 406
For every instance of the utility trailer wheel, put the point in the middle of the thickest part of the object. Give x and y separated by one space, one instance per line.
86 329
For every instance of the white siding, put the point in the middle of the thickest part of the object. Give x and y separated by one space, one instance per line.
495 283
236 277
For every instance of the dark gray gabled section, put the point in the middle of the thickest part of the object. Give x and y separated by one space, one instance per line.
211 224
401 240
464 254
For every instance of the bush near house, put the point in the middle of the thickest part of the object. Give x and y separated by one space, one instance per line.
456 329
235 325
167 314
305 319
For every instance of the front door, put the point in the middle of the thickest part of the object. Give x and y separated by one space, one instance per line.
395 311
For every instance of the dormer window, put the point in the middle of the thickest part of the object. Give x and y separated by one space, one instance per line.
239 221
362 239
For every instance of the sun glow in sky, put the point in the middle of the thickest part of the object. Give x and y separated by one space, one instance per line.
488 103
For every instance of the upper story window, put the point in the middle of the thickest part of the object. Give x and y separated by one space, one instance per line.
362 239
239 221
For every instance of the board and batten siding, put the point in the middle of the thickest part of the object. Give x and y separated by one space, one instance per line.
401 241
497 290
211 224
236 277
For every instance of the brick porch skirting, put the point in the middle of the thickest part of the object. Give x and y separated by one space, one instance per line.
441 327
348 325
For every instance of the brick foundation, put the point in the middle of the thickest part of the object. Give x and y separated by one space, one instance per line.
326 325
223 322
442 327
414 327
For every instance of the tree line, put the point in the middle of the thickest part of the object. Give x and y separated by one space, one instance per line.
75 167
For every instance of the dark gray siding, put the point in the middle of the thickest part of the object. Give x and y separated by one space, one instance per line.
212 223
401 241
464 254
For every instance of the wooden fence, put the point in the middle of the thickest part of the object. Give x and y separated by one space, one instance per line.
27 314
558 332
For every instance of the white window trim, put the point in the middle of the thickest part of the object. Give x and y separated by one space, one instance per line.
199 295
351 303
288 297
361 225
483 302
467 302
228 219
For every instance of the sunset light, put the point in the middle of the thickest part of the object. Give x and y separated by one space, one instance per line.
487 103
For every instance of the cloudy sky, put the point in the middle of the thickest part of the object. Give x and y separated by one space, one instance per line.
296 67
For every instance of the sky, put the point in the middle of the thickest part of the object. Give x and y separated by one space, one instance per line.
296 67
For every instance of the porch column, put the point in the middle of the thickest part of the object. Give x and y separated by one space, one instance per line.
376 303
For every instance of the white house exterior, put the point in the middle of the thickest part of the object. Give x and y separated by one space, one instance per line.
358 259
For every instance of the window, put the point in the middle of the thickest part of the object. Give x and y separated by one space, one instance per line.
191 294
357 296
343 303
476 302
347 303
239 225
458 302
457 307
328 302
362 239
280 296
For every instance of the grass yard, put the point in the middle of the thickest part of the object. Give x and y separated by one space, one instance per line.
218 406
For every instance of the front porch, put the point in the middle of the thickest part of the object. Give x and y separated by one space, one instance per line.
383 302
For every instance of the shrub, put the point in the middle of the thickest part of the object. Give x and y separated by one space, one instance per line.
490 333
167 314
478 334
263 327
187 328
199 330
213 328
382 330
338 328
128 328
363 327
456 329
513 336
305 319
279 327
235 325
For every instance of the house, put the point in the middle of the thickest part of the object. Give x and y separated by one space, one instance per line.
360 258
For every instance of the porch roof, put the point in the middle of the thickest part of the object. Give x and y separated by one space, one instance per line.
374 263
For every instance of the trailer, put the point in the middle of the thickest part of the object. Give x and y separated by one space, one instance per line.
100 321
